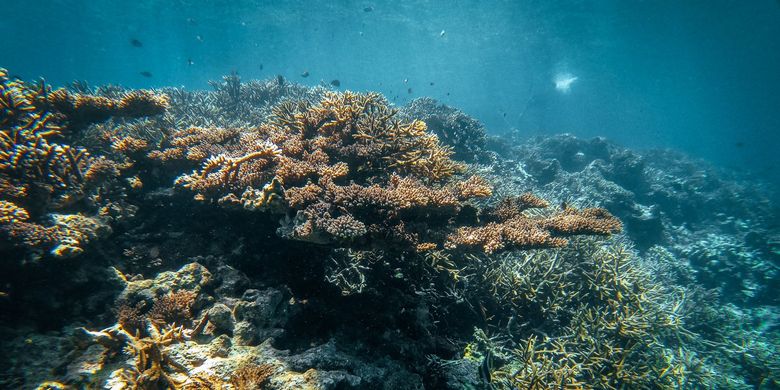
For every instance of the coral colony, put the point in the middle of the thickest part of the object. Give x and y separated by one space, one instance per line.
270 235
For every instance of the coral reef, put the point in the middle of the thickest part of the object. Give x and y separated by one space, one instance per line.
345 170
456 129
39 174
269 235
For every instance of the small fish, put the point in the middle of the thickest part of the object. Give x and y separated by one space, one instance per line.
431 83
191 21
261 66
563 81
441 34
409 90
136 43
368 9
305 74
190 62
336 83
199 38
3 294
280 80
406 81
146 73
448 94
360 33
504 115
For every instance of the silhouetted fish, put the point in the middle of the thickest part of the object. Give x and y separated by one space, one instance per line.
280 80
336 83
409 90
431 83
146 73
305 74
261 66
190 61
136 43
368 9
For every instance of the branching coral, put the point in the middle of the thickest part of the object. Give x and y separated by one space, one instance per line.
465 134
345 168
79 110
40 174
586 316
174 308
515 230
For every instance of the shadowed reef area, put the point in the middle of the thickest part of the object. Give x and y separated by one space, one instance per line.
270 235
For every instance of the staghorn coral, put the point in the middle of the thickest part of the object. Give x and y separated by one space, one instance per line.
586 316
463 133
515 230
67 234
78 110
344 171
153 367
39 174
173 308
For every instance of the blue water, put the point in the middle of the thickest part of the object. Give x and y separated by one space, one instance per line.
698 76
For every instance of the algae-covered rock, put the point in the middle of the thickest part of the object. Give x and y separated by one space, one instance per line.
221 317
191 277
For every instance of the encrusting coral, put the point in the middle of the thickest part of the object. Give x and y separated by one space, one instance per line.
40 174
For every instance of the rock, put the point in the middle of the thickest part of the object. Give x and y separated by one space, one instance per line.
229 281
263 308
220 346
245 333
221 317
462 374
332 379
191 277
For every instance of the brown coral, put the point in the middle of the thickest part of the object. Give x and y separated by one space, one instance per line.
515 230
39 174
173 309
79 110
251 376
345 169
